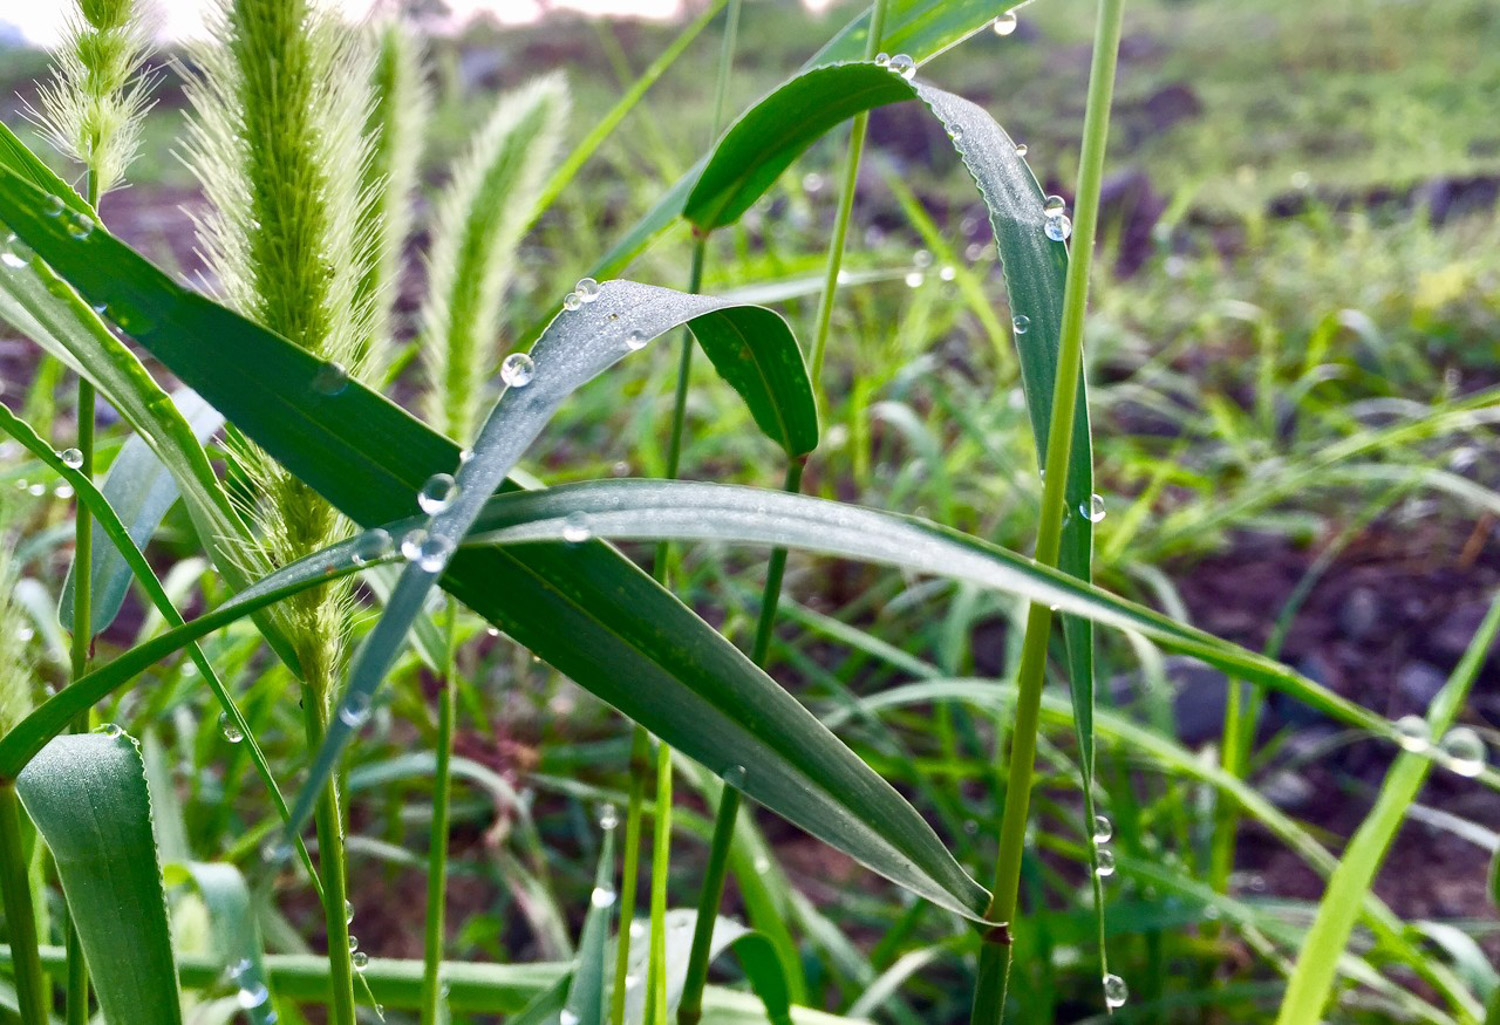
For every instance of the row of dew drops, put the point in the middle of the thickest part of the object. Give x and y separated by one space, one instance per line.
1115 991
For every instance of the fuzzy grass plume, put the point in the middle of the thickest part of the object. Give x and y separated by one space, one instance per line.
93 107
482 216
400 103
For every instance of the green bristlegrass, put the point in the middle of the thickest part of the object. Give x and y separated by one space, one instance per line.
484 212
400 106
279 110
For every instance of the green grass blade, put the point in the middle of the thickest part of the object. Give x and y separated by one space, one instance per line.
235 934
87 795
578 346
1312 980
586 994
21 744
140 489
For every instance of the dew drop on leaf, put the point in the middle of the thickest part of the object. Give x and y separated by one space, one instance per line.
230 729
437 494
517 370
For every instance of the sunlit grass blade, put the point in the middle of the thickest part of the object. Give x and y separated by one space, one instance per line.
1311 985
235 935
87 795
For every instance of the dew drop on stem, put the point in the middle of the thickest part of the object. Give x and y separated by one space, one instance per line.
1463 751
437 494
1115 993
72 458
1105 865
1413 734
371 546
230 729
1005 24
1104 830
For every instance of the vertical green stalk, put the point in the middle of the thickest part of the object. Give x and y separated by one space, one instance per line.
656 996
989 997
437 855
846 207
329 823
20 915
661 859
77 1007
690 1010
640 765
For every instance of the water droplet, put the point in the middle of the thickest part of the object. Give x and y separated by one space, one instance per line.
1058 228
433 553
252 996
53 206
882 59
359 959
736 775
587 289
237 971
956 132
1005 24
609 817
812 182
14 255
371 546
353 942
109 729
637 930
71 458
1104 830
1463 751
492 631
37 490
1115 993
1412 733
636 340
230 729
63 491
411 544
948 272
330 380
572 301
1054 205
1020 323
921 259
914 279
903 65
602 897
348 912
1106 866
81 226
355 711
517 370
576 529
568 1017
1022 149
762 864
1094 512
276 852
437 494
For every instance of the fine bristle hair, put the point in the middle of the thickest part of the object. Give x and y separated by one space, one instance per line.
93 107
279 103
481 218
400 105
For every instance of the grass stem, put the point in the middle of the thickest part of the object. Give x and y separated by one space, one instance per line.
20 914
640 756
990 993
437 856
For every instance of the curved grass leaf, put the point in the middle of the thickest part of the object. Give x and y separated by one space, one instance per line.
753 349
681 510
22 744
235 934
918 28
755 953
588 611
120 541
87 795
140 489
586 994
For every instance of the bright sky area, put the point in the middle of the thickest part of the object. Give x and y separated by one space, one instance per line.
39 21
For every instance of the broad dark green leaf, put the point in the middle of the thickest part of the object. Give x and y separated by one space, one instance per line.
586 610
20 161
645 510
919 28
141 489
87 795
753 350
